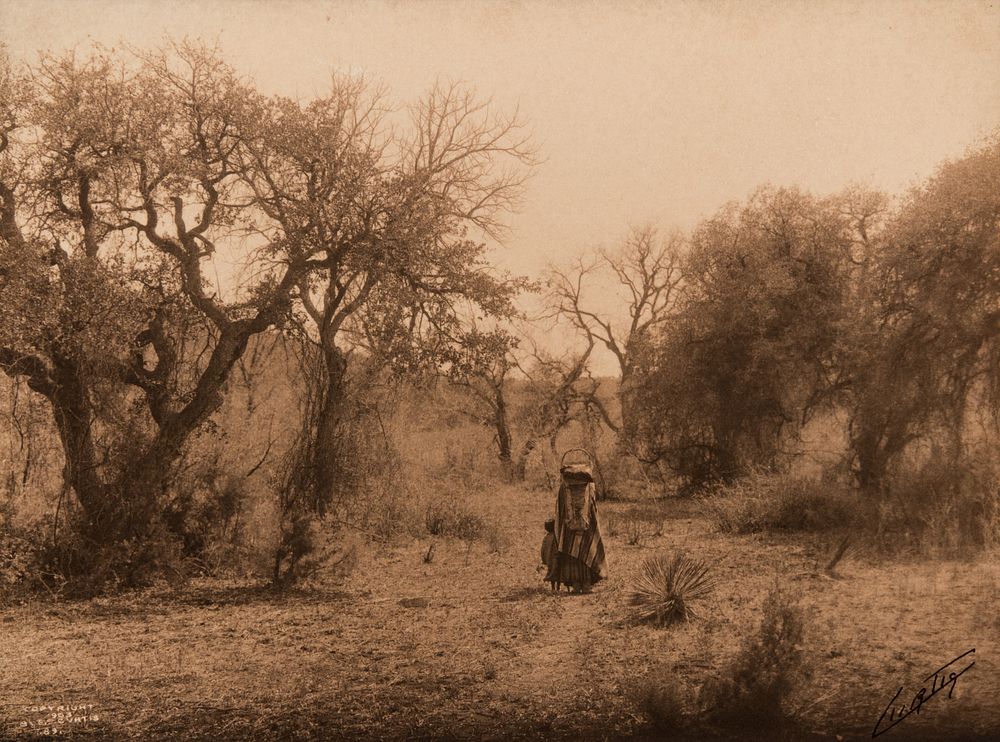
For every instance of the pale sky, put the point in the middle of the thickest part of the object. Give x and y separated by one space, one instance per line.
643 112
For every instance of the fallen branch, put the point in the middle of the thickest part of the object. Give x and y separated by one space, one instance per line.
838 555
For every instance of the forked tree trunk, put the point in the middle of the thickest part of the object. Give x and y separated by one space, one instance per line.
120 499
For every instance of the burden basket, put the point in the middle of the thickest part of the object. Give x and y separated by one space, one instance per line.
576 472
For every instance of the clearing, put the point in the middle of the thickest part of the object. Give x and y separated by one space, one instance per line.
473 644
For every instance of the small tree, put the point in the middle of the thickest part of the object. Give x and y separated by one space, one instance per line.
482 369
537 395
646 269
558 391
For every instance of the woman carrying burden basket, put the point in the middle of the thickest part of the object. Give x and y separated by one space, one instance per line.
575 550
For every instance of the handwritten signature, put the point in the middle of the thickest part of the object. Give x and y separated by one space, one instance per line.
939 681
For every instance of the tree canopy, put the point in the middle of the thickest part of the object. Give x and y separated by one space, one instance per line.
157 212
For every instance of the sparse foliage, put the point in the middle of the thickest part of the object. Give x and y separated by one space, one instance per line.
448 517
396 275
482 368
558 391
646 269
753 691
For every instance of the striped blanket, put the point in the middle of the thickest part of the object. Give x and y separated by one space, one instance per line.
578 529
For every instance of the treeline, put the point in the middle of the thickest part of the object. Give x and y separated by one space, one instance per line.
175 244
879 317
792 306
881 311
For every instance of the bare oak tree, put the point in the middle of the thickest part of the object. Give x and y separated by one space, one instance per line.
528 394
559 390
646 268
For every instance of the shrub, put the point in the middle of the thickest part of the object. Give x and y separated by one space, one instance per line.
652 515
735 511
635 531
636 524
940 507
204 512
73 566
753 690
659 697
446 516
667 587
307 547
18 560
780 502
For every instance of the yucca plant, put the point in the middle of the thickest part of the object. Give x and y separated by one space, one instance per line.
667 586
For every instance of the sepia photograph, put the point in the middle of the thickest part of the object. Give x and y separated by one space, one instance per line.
500 370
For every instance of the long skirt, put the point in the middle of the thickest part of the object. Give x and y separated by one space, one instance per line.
571 572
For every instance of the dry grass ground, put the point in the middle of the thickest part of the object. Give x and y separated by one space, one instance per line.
471 645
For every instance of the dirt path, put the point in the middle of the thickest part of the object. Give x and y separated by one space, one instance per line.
555 658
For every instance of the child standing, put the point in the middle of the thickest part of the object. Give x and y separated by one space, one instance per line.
550 554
